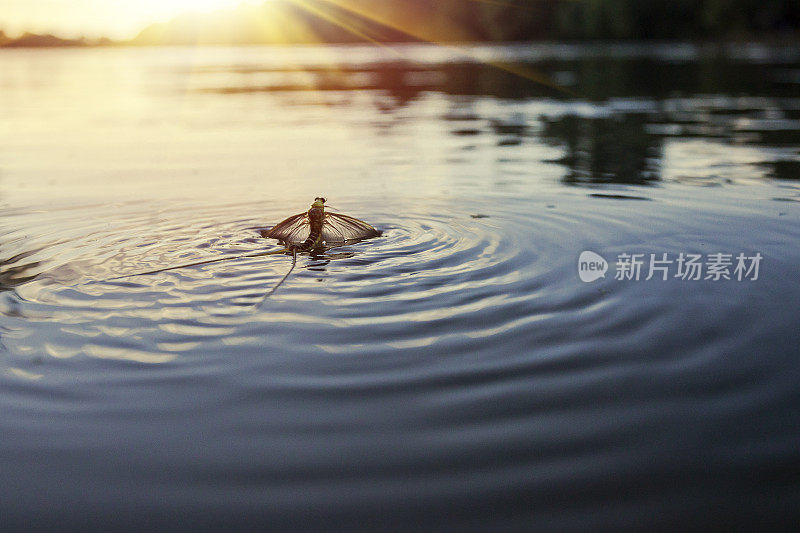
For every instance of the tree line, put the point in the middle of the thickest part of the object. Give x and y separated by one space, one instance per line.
595 19
483 20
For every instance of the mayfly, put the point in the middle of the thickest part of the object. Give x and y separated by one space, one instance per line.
311 230
305 232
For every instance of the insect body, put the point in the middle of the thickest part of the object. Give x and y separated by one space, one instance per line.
306 231
316 218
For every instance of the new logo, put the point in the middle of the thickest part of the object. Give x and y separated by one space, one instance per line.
591 266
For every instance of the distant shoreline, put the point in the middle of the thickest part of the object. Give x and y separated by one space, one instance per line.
52 42
46 40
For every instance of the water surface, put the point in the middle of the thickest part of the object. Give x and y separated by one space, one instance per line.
455 371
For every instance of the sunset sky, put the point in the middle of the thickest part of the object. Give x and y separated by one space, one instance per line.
94 18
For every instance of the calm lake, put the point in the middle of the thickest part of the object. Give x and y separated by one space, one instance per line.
458 371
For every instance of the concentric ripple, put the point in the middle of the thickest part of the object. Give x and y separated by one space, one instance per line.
465 278
455 356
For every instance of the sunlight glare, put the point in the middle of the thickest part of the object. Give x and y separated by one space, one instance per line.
174 7
119 19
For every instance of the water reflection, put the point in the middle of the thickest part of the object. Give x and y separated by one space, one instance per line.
595 73
14 272
640 98
404 81
605 150
783 169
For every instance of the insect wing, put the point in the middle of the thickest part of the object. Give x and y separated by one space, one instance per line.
342 228
294 229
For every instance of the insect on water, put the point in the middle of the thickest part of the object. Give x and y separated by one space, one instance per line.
316 228
311 230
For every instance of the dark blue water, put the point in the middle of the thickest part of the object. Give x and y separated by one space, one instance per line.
454 372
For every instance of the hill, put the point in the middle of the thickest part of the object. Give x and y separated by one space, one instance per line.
34 40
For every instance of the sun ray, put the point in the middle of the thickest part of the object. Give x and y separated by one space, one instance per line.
330 17
502 4
457 35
